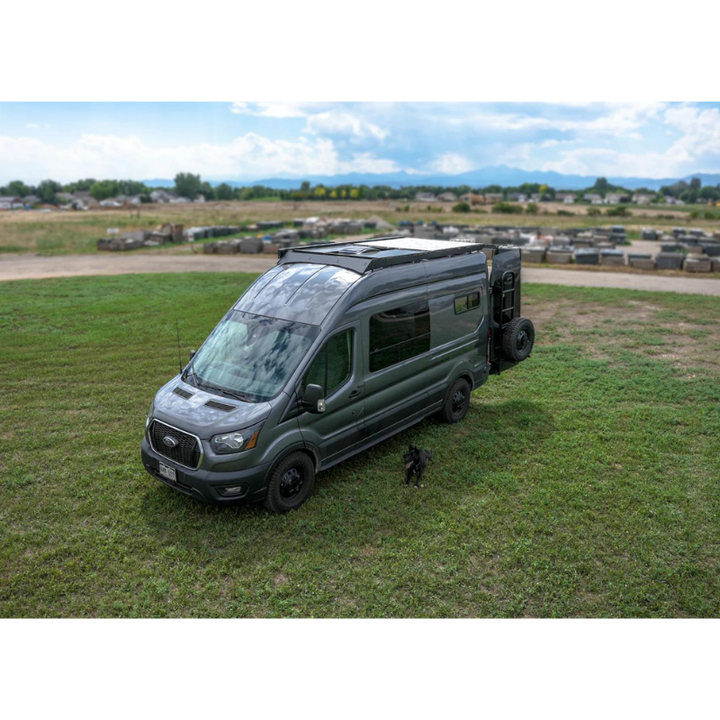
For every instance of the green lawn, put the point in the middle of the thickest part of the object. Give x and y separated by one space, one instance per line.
583 483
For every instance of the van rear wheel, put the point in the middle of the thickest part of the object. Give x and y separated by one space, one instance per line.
290 483
457 402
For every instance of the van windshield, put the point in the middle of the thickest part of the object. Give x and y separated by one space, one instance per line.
251 356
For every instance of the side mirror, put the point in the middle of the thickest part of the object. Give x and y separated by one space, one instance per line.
313 399
192 354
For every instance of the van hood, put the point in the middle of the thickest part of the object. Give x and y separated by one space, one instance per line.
187 408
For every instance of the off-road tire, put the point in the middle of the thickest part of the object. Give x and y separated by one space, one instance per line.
457 402
518 339
281 493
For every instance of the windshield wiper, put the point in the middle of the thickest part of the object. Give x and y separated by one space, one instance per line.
222 391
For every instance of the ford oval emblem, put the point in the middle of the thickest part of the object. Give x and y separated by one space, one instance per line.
171 442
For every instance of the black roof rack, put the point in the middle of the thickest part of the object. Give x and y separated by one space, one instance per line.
332 254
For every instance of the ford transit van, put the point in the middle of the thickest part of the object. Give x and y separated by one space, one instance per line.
331 351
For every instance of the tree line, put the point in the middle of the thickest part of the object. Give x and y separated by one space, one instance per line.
192 186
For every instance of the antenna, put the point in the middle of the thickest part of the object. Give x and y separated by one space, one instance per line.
177 331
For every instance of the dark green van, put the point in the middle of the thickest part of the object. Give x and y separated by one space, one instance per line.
331 351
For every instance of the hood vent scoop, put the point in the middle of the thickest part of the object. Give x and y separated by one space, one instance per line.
220 406
182 393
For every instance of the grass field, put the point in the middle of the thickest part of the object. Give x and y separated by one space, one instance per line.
582 483
73 232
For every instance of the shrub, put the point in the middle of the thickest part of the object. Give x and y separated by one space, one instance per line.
593 211
532 208
619 211
507 208
710 215
565 213
461 207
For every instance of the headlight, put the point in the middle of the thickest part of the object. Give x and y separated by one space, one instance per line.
233 442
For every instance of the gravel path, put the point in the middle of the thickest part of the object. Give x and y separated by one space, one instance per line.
27 266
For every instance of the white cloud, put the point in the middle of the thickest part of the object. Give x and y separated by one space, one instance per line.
270 109
339 122
322 119
701 132
250 155
451 163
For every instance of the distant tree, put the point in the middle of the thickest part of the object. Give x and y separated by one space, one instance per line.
695 184
104 189
710 193
602 185
593 211
47 190
532 208
19 188
674 190
223 192
207 191
461 207
188 185
304 189
689 196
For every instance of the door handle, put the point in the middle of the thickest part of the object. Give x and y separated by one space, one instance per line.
353 394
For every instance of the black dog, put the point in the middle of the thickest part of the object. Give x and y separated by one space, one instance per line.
415 463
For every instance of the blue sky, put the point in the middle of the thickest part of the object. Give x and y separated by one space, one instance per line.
247 140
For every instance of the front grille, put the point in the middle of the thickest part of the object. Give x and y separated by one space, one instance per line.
186 452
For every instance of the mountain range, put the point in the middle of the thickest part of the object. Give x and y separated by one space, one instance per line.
482 177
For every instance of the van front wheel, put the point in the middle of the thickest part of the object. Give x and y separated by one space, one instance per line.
457 402
290 483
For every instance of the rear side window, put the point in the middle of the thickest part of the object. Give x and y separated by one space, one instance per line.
399 334
332 366
467 302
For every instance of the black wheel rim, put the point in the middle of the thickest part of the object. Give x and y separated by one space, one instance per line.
291 483
458 402
523 340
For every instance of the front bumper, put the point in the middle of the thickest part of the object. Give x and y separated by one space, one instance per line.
207 485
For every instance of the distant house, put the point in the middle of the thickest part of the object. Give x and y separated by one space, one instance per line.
31 200
615 198
566 197
642 198
517 197
178 200
64 197
593 198
11 202
493 197
467 197
83 199
199 199
535 197
447 197
162 196
424 197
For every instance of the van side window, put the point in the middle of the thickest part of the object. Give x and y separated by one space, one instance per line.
332 366
467 302
399 334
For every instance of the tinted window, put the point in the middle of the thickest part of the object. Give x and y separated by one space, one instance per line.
399 334
332 366
467 302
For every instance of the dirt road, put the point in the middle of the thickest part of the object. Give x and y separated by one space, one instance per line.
26 266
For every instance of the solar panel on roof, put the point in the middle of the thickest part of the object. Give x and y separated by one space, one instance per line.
419 244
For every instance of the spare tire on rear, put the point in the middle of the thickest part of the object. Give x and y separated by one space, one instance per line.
518 339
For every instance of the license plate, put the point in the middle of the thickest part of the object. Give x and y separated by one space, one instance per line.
167 472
